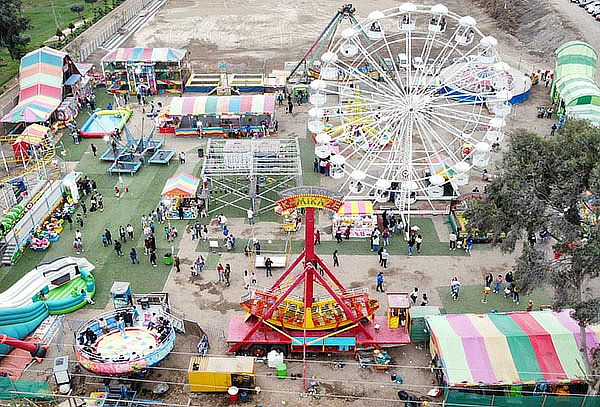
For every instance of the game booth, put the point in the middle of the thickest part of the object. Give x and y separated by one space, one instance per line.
356 215
488 359
180 196
146 70
30 143
228 116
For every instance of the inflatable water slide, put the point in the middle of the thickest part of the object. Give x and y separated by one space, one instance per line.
59 286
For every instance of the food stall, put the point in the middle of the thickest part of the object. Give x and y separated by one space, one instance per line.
180 192
358 215
229 116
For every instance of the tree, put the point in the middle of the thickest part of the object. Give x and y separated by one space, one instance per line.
12 27
90 1
59 33
543 185
71 26
77 8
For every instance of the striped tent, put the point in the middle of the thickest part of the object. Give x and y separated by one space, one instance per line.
145 55
203 105
509 348
181 185
41 86
574 75
353 208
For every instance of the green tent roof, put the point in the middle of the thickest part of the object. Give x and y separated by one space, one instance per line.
577 90
575 58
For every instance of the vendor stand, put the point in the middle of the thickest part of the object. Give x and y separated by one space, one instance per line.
229 116
180 196
31 143
356 215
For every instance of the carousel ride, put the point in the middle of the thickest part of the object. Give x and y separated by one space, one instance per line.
407 102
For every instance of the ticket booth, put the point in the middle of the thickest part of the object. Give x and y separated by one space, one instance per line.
399 311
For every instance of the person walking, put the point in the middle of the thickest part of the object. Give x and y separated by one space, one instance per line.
133 256
336 260
79 221
129 229
94 149
122 234
452 238
290 107
227 274
84 208
246 279
385 236
425 300
384 258
317 237
250 215
253 280
379 254
78 235
380 282
69 220
411 244
454 288
269 266
516 294
153 258
118 248
376 243
418 242
177 264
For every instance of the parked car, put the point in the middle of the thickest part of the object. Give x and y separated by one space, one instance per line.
418 63
584 3
403 61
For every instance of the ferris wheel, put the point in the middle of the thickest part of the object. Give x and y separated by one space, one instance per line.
406 102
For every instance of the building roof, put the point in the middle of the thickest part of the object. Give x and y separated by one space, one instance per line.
181 185
200 105
510 348
145 55
354 208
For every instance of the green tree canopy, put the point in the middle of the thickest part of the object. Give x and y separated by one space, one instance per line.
77 8
551 185
12 27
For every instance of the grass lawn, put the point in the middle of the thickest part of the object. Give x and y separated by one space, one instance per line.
143 196
471 295
432 246
43 26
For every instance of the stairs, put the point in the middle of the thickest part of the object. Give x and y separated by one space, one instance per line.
176 322
7 254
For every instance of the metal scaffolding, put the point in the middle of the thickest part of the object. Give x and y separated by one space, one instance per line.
249 173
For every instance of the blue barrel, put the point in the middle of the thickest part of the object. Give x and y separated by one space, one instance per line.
244 396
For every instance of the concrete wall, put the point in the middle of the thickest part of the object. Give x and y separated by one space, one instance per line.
91 39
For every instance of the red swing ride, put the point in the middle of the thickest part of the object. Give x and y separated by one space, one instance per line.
311 311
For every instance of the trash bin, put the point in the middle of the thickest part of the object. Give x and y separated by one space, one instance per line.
200 152
233 394
168 257
281 370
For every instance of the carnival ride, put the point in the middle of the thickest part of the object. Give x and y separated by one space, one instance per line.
57 287
407 102
138 334
312 311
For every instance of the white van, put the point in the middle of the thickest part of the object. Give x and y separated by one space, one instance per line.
403 62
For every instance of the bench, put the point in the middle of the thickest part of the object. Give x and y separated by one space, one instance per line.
278 261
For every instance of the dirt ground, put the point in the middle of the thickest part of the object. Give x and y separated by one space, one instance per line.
259 35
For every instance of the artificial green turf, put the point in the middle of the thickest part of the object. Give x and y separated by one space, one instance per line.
143 196
432 246
471 295
307 156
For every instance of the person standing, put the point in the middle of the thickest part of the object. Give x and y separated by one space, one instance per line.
489 278
469 244
317 237
411 244
452 240
118 248
414 295
133 256
380 282
250 215
529 306
84 208
129 230
256 247
290 106
336 260
418 242
153 257
122 234
338 235
227 275
384 258
385 235
220 272
246 278
454 288
425 300
269 266
498 284
94 150
376 243
516 294
253 280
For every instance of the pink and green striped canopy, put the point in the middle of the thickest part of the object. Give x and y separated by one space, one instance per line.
202 105
510 348
145 55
